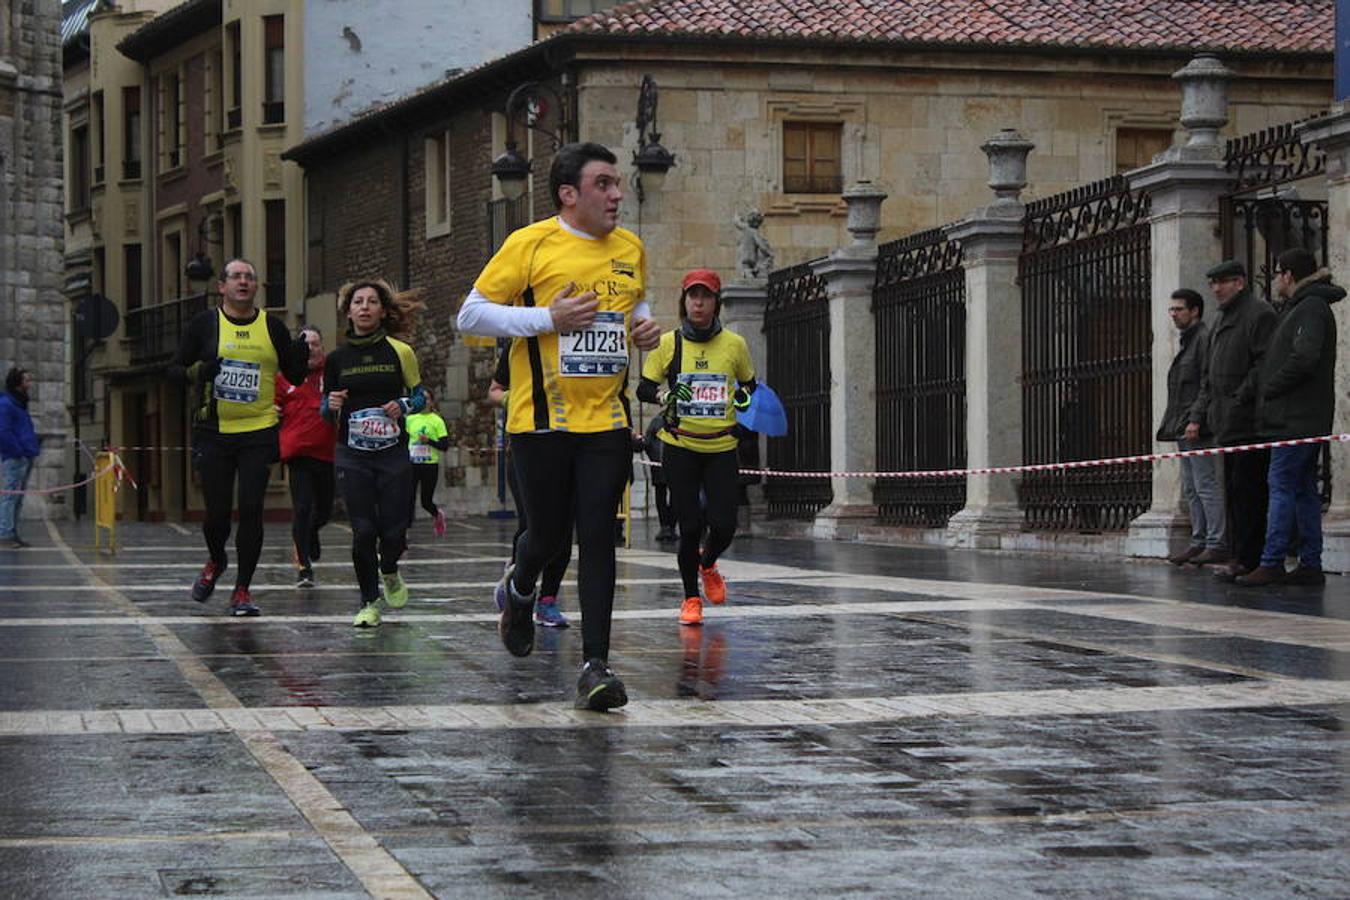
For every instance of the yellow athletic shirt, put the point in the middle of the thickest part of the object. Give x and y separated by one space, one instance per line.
711 369
246 383
568 382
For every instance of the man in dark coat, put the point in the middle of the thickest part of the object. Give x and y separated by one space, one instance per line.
1296 398
1226 406
1200 486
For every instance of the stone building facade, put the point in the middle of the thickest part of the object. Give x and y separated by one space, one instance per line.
775 121
179 112
32 310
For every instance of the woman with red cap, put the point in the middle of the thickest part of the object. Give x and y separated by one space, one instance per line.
700 374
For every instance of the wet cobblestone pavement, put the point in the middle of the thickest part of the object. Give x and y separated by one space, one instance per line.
856 720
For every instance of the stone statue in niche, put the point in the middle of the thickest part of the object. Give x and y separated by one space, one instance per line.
756 256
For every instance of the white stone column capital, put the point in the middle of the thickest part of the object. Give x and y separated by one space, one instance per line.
848 270
992 233
1331 134
1183 183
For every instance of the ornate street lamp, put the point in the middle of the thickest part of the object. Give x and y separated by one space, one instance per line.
199 267
651 159
511 169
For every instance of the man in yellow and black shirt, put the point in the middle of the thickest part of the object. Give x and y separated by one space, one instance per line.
230 356
571 292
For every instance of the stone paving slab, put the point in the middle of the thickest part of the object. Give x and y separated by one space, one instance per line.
873 721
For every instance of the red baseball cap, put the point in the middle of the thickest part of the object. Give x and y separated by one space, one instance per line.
706 277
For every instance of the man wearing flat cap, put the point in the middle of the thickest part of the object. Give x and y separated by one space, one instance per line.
1226 407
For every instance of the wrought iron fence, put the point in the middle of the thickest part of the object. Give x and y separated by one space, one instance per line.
797 343
919 309
1278 201
1087 356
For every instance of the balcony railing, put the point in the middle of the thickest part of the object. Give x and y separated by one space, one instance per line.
155 331
233 118
131 169
274 112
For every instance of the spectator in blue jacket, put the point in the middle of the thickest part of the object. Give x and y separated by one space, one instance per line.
18 449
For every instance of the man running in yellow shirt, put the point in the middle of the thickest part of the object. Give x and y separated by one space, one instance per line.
571 293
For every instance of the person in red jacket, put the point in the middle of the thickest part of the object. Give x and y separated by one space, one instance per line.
307 450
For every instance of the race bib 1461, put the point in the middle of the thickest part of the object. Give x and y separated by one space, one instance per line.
710 396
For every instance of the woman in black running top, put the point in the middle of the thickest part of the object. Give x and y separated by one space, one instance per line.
373 382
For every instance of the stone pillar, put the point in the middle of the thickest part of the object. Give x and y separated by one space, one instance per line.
743 312
1332 135
743 305
1184 184
849 274
991 244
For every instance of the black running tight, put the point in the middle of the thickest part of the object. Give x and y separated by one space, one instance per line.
220 459
714 477
376 487
425 476
311 503
558 473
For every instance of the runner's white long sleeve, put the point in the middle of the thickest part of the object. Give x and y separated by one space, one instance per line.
481 316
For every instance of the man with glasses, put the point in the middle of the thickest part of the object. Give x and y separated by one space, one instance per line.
1199 474
230 356
1296 398
1226 407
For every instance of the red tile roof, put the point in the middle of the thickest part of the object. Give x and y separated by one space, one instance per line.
1257 26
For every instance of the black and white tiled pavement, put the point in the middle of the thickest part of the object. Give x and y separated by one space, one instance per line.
862 720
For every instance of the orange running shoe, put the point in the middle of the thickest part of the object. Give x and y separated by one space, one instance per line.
714 588
691 611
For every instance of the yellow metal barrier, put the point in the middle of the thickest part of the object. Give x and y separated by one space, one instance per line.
105 502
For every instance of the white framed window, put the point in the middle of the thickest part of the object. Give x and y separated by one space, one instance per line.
437 183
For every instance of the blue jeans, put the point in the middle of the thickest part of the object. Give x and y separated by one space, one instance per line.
1292 481
15 478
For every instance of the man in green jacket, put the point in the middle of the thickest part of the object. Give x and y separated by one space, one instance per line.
1296 398
1226 407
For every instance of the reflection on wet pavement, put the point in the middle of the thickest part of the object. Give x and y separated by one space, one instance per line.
873 720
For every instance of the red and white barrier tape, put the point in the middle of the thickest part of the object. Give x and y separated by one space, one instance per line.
1045 467
115 467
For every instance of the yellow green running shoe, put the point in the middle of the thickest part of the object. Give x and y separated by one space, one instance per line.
395 591
369 616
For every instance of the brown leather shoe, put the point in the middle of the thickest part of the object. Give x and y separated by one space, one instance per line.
1261 576
1230 572
1185 556
1305 576
1210 557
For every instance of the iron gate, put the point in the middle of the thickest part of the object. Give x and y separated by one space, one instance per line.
1278 202
919 308
797 346
1087 356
